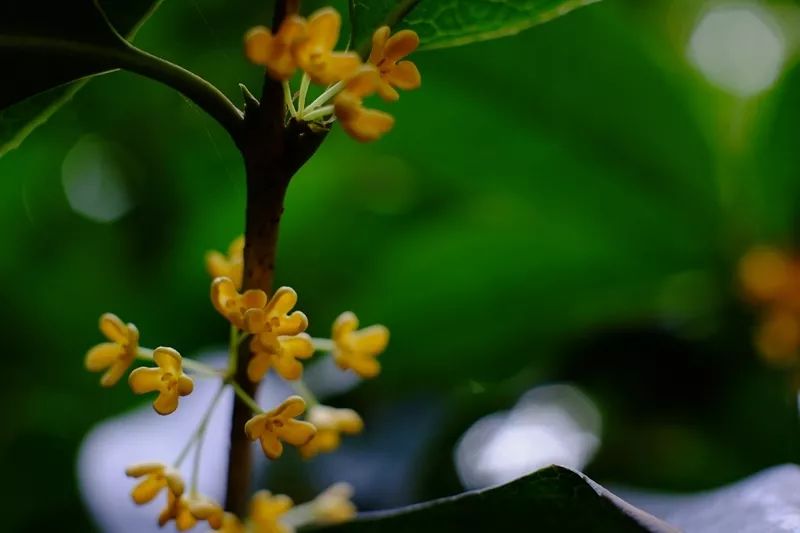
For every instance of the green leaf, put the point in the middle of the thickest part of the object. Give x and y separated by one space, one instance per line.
24 24
446 23
552 499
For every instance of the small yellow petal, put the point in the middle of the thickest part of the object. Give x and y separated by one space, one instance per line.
258 366
271 445
148 489
323 27
231 524
400 45
257 43
371 340
283 301
174 481
333 506
370 125
266 507
288 368
143 380
185 385
166 402
113 328
387 92
103 355
168 360
253 298
341 65
299 346
364 82
344 324
405 75
254 427
292 324
291 407
115 372
297 432
142 469
378 43
366 368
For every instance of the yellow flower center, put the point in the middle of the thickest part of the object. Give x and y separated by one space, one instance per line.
170 380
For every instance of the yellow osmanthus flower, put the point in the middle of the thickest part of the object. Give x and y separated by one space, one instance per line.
274 51
274 318
203 508
330 423
168 379
279 425
237 308
778 337
177 509
280 352
385 54
357 349
114 357
231 524
228 266
334 505
770 276
315 54
266 511
359 122
157 477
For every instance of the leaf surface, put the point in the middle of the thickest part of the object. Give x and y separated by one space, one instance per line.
446 23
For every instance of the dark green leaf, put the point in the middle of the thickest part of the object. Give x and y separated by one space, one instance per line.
445 23
23 24
552 499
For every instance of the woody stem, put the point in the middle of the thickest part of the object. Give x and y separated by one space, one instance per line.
273 151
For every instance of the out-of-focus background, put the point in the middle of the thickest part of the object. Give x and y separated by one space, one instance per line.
551 232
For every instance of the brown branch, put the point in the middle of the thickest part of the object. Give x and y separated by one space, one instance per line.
273 151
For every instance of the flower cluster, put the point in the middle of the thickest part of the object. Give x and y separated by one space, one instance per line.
275 334
268 512
115 357
278 342
276 513
267 333
770 280
309 44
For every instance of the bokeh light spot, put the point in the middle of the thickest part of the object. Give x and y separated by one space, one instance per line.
553 424
94 181
738 47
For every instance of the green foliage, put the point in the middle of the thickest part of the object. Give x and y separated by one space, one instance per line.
554 499
445 23
33 37
559 500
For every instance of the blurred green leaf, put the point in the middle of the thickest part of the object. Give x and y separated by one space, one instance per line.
25 27
446 23
552 499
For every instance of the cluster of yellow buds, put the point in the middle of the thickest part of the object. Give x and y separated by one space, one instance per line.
770 280
308 44
276 335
